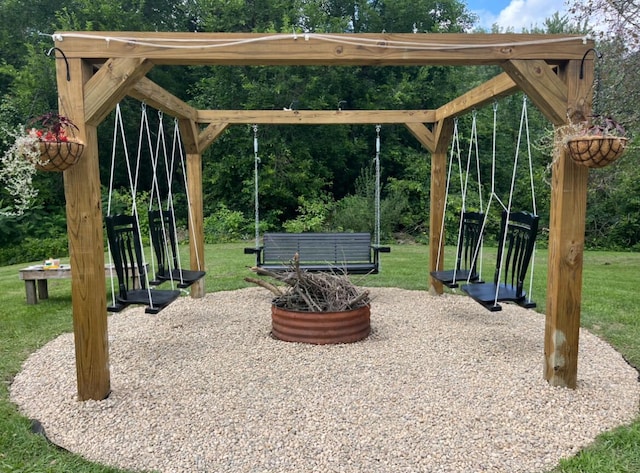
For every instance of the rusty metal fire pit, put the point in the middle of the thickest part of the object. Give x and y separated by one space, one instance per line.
321 327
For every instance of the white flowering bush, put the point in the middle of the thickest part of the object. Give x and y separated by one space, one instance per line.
17 170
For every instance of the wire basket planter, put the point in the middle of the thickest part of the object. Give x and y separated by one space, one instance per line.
57 156
596 151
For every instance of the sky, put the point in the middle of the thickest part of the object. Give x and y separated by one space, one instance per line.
514 14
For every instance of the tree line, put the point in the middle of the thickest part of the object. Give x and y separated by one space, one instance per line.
311 177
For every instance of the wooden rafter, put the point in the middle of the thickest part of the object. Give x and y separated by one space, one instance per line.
319 49
109 85
543 87
152 94
315 117
423 135
500 86
210 134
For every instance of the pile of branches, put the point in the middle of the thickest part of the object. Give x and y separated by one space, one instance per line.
311 292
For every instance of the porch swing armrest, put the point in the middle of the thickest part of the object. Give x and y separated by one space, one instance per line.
251 251
379 249
255 251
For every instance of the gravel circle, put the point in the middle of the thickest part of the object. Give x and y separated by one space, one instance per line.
440 385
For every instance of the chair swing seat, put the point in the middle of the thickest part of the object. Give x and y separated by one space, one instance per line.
518 233
485 294
161 227
183 277
468 243
451 277
154 299
126 250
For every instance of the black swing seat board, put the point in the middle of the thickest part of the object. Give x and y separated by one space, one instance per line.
450 277
521 229
155 302
126 252
469 242
485 294
182 277
350 253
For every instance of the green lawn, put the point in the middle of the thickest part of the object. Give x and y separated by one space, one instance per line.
609 308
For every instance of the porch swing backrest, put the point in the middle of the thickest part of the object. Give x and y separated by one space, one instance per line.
341 252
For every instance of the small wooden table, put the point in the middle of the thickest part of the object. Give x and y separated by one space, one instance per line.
36 275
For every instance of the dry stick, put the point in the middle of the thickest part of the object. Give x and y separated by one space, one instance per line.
313 306
359 298
275 289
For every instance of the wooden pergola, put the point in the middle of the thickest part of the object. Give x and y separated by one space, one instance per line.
95 70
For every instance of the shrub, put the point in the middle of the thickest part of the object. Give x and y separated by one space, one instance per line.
313 215
226 225
35 249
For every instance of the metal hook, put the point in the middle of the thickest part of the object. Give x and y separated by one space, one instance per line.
598 55
66 61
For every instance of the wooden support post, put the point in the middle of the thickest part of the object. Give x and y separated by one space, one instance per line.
443 134
189 131
566 242
86 248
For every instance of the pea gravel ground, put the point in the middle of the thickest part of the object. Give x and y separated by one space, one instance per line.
441 385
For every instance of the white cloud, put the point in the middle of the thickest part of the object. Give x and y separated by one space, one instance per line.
521 14
486 18
518 14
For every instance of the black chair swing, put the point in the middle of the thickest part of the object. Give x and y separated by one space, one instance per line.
163 238
466 258
126 251
517 239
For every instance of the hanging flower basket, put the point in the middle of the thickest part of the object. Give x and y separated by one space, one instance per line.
56 156
596 142
46 143
596 151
